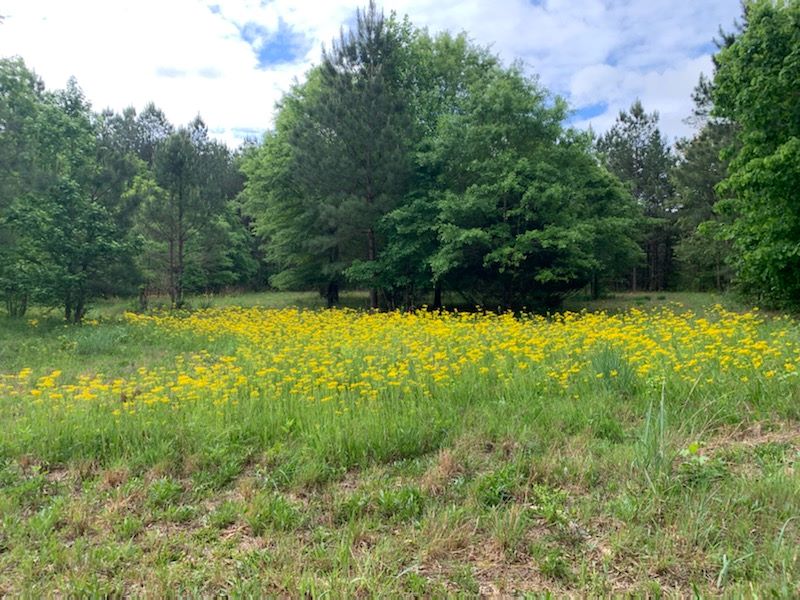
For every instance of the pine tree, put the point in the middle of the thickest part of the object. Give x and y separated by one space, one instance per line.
702 164
184 201
350 145
635 151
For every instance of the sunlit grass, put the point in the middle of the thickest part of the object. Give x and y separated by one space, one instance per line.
545 435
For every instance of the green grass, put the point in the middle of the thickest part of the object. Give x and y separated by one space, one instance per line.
620 301
626 490
114 307
613 301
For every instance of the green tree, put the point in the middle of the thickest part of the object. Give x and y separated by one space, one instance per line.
307 239
337 162
702 164
756 83
21 107
351 139
437 72
635 151
70 233
182 210
149 129
475 185
525 210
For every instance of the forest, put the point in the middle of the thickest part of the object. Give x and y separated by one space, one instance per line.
415 166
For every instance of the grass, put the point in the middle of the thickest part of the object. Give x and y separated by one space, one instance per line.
615 480
622 301
115 307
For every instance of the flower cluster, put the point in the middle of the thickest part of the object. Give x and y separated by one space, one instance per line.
351 358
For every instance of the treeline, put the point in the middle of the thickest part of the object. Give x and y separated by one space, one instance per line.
111 204
409 164
412 164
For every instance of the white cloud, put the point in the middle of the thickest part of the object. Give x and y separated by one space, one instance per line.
666 91
189 59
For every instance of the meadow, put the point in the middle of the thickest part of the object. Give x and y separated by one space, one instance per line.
258 445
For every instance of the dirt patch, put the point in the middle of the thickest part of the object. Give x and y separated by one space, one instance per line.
744 449
350 481
494 575
756 434
439 476
112 478
57 475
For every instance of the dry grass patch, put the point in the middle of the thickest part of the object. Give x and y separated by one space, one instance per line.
441 474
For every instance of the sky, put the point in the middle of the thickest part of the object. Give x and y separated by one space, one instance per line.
231 60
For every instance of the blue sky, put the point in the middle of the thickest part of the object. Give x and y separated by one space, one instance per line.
230 60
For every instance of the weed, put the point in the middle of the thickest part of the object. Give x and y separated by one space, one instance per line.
404 504
499 486
551 562
225 515
700 469
548 502
271 511
164 492
180 514
509 528
772 455
128 527
464 578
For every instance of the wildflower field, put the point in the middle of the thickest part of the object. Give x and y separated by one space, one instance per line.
258 451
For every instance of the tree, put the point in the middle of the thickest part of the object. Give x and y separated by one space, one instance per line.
184 200
756 83
351 140
68 230
307 240
702 164
337 162
437 73
636 152
80 242
21 107
475 185
526 208
93 204
151 128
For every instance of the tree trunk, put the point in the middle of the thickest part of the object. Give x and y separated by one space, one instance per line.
179 278
172 295
80 311
142 298
16 305
651 265
67 310
332 294
595 286
633 280
505 302
176 253
661 255
371 256
437 296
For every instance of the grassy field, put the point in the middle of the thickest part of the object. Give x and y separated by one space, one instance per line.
648 446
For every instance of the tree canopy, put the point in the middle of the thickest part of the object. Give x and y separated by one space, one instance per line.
409 162
416 166
755 86
90 202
